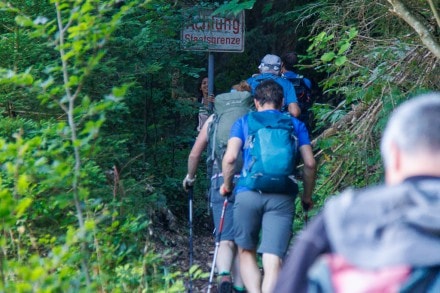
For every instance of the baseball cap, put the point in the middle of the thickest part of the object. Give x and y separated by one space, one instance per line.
270 63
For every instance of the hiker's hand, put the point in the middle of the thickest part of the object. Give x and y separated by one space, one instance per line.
307 204
188 182
211 99
225 191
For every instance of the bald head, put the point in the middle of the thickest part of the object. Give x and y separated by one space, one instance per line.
411 141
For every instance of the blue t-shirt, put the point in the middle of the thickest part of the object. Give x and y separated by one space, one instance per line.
291 75
288 89
240 130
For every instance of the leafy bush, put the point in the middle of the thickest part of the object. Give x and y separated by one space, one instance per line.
68 216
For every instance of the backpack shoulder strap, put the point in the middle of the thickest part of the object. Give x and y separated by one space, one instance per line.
423 279
212 130
319 277
262 77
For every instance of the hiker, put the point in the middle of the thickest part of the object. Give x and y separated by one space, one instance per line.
227 260
269 68
391 227
302 86
256 207
205 101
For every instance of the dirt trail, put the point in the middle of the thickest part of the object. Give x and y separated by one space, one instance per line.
175 245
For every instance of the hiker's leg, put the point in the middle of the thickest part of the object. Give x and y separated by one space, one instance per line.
250 273
228 261
247 224
225 256
271 266
224 266
275 237
226 249
238 281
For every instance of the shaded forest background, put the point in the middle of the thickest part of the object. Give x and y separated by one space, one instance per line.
98 117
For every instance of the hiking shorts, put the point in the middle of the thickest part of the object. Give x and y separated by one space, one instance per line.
216 202
272 214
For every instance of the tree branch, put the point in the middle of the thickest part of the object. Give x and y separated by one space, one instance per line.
73 133
434 11
426 37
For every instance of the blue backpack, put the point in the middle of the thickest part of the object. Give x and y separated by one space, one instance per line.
273 147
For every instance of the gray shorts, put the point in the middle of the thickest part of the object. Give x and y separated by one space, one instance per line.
217 202
272 214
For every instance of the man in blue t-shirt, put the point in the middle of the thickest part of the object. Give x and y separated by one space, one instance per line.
269 68
272 213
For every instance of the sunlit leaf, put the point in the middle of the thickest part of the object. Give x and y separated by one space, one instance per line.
344 47
352 33
23 20
340 60
327 57
22 206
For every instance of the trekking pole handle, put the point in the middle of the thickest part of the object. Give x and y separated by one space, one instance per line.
188 182
305 206
224 191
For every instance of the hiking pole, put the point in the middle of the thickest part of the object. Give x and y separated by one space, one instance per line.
190 216
217 243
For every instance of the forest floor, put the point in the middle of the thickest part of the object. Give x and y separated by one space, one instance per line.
174 245
170 235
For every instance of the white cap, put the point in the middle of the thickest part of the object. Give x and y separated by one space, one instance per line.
270 63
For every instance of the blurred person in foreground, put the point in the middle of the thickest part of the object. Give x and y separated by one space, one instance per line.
393 227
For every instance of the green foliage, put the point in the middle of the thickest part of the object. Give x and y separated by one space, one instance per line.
234 7
370 67
65 228
98 109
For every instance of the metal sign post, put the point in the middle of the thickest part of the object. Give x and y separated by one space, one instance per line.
211 78
207 32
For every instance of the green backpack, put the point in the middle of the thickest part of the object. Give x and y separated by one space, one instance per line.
228 107
273 148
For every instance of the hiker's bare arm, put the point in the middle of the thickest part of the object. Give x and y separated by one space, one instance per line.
294 109
309 174
228 163
198 148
